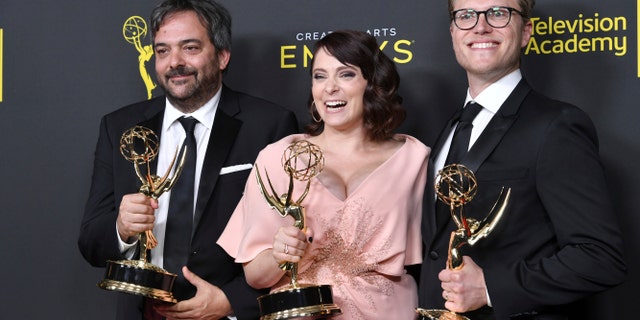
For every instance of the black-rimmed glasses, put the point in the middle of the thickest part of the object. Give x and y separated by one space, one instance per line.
497 17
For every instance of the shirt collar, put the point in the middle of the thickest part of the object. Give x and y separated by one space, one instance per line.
497 93
204 114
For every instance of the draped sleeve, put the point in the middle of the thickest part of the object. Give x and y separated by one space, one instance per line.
253 224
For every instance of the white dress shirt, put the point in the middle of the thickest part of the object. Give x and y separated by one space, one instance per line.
171 139
490 99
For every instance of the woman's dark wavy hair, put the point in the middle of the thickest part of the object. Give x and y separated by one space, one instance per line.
213 16
383 111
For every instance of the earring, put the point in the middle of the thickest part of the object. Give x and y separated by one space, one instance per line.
314 111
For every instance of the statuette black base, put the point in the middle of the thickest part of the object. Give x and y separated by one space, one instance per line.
301 301
139 278
438 314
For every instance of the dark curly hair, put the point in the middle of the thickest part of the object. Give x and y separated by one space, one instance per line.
383 111
213 16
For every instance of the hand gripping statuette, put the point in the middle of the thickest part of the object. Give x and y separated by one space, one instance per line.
140 146
302 161
456 185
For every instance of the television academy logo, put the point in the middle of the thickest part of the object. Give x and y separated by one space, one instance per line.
584 33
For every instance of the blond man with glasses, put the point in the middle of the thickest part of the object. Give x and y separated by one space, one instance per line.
559 242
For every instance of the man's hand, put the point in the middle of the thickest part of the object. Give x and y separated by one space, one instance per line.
209 302
464 289
136 215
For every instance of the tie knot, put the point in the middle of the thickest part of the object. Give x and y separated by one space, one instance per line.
188 123
470 112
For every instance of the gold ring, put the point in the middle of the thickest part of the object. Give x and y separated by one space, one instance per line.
286 249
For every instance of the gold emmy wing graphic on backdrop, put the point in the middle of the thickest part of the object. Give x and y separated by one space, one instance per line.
302 160
139 276
133 30
456 186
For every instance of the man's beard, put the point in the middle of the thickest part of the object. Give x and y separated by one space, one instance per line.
194 95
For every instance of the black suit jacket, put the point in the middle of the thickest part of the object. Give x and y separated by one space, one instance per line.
559 241
243 126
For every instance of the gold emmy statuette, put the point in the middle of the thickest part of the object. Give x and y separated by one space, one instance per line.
456 185
302 160
139 276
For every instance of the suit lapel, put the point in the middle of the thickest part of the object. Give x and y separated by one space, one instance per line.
486 143
429 201
497 127
223 135
442 137
154 116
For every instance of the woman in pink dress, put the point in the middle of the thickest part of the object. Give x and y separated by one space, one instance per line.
362 211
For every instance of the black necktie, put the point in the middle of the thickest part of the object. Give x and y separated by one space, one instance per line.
457 152
460 141
177 237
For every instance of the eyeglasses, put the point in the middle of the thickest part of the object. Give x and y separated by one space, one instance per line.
497 17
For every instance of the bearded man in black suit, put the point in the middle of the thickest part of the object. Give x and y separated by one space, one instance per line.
192 42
